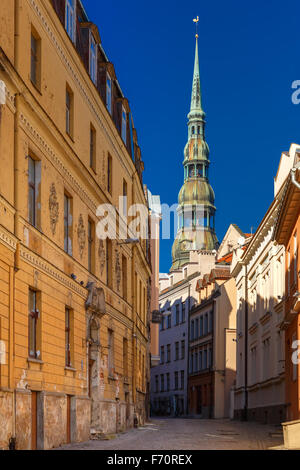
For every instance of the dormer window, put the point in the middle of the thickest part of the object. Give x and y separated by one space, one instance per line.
93 59
70 19
124 125
108 93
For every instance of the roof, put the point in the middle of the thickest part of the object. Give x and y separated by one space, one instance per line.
182 282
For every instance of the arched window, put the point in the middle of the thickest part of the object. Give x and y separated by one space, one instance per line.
193 130
200 170
191 171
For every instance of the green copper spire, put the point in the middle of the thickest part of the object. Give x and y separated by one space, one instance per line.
196 101
196 200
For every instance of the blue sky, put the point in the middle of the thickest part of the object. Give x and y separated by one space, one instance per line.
249 57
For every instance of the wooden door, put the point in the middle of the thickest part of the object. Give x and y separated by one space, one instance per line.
33 420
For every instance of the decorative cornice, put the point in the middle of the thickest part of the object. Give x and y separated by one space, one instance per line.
8 239
47 268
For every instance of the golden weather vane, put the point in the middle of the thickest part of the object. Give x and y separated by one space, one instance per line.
196 21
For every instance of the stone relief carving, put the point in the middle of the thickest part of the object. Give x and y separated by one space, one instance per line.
53 208
101 253
118 271
96 300
81 233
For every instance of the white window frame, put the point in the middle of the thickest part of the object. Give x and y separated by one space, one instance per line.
124 125
93 59
70 16
109 93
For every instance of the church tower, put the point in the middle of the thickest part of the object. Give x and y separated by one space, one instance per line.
196 201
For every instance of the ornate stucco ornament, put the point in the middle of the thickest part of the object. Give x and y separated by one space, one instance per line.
81 233
118 271
53 208
101 254
95 302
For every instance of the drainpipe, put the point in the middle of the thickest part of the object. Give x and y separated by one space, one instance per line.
294 181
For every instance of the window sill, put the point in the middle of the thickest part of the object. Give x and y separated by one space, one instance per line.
70 369
34 361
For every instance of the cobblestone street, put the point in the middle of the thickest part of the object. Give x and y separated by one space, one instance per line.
191 434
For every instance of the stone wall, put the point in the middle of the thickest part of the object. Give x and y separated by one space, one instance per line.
80 419
23 420
6 412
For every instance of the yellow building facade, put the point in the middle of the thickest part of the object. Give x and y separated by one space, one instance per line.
74 309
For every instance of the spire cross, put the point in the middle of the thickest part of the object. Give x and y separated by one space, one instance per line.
196 21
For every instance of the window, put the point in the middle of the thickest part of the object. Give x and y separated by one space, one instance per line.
68 225
124 126
210 322
177 314
183 312
206 324
162 325
266 358
124 277
110 353
162 383
125 195
91 246
109 174
109 262
182 379
196 361
201 327
162 354
108 94
35 67
93 59
289 270
69 337
92 148
197 328
295 258
253 365
70 19
210 357
182 349
125 357
176 381
34 177
69 112
176 351
204 359
33 325
156 384
168 353
200 360
168 382
169 321
192 330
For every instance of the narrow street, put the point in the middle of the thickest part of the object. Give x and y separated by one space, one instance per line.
191 434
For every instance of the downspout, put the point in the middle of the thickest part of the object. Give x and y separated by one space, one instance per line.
14 269
293 174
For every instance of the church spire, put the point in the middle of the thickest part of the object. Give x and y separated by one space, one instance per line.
196 200
196 101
